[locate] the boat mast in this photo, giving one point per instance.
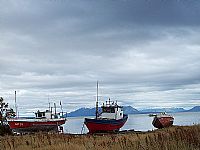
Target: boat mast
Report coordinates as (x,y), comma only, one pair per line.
(49,104)
(55,107)
(97,100)
(16,103)
(61,107)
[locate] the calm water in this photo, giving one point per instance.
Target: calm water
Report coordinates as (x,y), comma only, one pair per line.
(140,122)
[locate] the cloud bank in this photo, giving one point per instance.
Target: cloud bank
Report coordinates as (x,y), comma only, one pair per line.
(144,53)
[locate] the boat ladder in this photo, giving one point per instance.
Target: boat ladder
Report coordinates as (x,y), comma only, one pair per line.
(83,129)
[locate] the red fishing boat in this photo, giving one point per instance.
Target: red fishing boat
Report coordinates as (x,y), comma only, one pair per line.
(162,120)
(43,121)
(111,119)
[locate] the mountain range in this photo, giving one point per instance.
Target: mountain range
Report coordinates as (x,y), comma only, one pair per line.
(130,110)
(157,110)
(194,109)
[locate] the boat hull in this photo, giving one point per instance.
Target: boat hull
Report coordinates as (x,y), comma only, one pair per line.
(162,122)
(104,125)
(35,125)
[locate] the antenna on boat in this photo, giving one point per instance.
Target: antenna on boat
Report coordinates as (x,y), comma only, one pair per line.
(97,100)
(51,112)
(61,107)
(16,103)
(49,104)
(55,107)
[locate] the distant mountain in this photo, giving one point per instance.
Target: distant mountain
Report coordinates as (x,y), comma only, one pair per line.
(158,110)
(194,109)
(130,110)
(83,112)
(91,111)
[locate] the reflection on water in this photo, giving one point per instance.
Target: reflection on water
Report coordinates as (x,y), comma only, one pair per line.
(138,122)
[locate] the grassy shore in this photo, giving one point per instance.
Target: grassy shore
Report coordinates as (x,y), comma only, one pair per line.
(173,138)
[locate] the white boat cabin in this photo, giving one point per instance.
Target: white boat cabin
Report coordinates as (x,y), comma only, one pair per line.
(46,114)
(111,110)
(163,114)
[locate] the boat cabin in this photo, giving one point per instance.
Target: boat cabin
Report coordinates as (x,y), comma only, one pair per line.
(46,114)
(111,110)
(163,114)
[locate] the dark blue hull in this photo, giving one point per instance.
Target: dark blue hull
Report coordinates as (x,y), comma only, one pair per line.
(105,125)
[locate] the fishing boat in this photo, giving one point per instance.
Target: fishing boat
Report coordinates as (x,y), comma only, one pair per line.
(111,119)
(162,120)
(43,121)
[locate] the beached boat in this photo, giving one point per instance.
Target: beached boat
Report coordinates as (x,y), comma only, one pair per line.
(111,119)
(43,121)
(162,120)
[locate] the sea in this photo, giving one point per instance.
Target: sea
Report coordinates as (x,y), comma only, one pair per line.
(137,122)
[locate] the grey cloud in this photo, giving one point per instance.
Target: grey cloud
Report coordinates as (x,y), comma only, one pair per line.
(141,51)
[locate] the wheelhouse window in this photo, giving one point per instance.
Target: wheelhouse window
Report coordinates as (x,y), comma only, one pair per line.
(108,109)
(40,114)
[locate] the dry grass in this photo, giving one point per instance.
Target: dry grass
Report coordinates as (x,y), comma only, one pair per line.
(174,138)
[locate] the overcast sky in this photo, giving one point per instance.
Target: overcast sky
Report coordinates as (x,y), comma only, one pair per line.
(144,53)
